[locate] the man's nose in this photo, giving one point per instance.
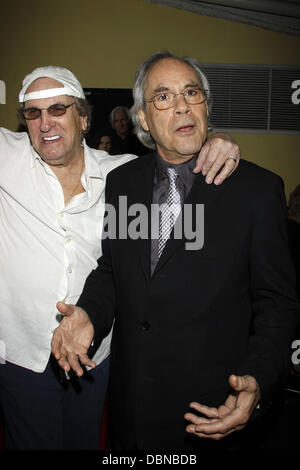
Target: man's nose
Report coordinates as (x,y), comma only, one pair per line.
(45,120)
(181,105)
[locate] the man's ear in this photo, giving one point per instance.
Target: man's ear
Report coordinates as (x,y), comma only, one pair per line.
(84,123)
(143,120)
(207,110)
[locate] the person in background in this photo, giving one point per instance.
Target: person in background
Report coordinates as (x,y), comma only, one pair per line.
(124,139)
(104,140)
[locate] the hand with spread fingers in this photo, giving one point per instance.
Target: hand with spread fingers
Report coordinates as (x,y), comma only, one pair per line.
(220,152)
(72,339)
(230,417)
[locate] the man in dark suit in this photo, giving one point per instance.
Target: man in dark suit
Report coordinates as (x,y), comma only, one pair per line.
(205,323)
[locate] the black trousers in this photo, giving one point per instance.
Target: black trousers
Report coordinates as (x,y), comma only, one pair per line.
(42,413)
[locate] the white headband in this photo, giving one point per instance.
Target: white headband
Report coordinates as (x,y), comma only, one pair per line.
(71,86)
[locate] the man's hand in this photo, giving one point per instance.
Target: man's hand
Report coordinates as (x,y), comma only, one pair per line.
(72,338)
(220,150)
(230,417)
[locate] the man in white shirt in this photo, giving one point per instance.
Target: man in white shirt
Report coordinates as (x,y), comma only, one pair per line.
(52,208)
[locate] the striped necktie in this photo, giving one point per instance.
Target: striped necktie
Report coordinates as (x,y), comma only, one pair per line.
(169,211)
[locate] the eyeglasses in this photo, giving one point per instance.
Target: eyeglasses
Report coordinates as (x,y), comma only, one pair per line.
(55,110)
(166,100)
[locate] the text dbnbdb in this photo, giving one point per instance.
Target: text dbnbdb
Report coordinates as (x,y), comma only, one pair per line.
(171,459)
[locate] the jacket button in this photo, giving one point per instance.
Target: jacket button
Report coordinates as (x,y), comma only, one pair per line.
(146,326)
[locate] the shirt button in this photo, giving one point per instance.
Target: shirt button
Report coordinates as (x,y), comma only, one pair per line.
(62,214)
(68,240)
(146,326)
(70,271)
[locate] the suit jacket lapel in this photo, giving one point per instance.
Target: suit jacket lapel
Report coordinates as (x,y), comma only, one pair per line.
(142,187)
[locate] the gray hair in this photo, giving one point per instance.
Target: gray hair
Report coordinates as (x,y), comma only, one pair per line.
(117,108)
(82,105)
(139,90)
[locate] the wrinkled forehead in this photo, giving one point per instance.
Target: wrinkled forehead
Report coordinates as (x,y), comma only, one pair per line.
(169,71)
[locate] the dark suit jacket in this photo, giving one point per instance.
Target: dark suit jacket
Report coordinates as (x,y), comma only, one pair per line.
(293,229)
(130,144)
(227,308)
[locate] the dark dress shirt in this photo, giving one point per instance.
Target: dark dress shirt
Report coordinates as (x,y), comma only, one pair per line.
(161,186)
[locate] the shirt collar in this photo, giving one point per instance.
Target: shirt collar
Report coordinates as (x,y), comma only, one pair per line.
(34,157)
(184,170)
(92,168)
(91,164)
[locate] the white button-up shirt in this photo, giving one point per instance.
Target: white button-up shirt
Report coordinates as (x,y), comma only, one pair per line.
(47,249)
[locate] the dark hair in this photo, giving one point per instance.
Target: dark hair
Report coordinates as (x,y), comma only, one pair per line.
(101,133)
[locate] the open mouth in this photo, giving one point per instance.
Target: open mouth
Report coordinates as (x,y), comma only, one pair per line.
(51,140)
(187,129)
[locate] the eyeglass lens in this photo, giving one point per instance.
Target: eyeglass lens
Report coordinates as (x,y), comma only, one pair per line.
(166,100)
(55,110)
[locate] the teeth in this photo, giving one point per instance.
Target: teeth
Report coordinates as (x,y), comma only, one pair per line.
(55,137)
